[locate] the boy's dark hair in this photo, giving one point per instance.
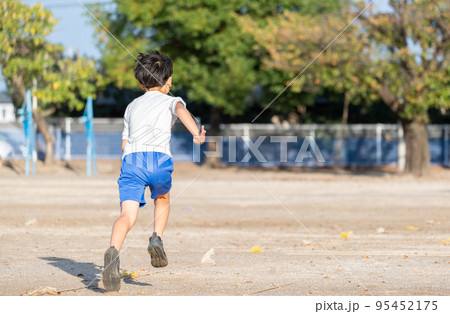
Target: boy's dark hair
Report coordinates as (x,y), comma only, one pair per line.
(153,69)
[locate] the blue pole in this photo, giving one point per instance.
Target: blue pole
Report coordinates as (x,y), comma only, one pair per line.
(31,135)
(26,116)
(88,118)
(27,136)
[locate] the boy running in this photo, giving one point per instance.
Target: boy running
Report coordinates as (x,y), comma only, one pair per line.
(146,159)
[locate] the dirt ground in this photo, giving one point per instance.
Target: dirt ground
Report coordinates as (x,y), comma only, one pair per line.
(55,227)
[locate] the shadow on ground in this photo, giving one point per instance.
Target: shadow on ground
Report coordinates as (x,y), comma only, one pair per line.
(10,165)
(90,272)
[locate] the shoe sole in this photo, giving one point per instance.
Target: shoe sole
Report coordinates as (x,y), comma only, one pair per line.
(111,277)
(157,255)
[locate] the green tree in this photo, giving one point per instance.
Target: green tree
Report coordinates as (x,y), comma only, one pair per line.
(25,56)
(214,59)
(400,57)
(295,50)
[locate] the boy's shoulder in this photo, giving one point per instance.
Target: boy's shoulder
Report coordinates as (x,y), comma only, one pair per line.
(159,98)
(163,97)
(155,95)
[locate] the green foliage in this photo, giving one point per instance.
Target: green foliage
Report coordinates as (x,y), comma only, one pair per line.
(26,55)
(69,82)
(214,59)
(413,42)
(400,57)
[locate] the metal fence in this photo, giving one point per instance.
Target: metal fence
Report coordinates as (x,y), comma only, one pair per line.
(361,145)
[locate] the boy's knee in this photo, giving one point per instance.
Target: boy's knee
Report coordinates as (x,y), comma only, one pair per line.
(130,218)
(132,221)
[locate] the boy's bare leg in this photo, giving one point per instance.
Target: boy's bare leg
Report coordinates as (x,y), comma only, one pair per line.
(123,224)
(155,246)
(127,219)
(162,210)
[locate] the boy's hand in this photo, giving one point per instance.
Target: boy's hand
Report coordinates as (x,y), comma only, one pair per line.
(200,138)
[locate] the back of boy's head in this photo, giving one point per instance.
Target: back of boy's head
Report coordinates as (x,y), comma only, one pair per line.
(153,69)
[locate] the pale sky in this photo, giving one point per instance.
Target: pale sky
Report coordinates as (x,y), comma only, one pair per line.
(75,31)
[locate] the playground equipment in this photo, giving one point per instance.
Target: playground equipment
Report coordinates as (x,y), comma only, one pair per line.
(26,116)
(88,119)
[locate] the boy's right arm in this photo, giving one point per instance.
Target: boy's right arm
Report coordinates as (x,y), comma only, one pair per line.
(189,123)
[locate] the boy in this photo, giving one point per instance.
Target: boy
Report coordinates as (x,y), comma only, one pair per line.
(146,159)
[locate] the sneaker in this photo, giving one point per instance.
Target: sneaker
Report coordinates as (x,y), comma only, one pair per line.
(156,251)
(111,276)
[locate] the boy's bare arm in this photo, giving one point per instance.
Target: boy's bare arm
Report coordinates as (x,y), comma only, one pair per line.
(189,123)
(123,144)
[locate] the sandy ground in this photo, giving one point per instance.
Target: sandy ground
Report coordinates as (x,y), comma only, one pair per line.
(55,227)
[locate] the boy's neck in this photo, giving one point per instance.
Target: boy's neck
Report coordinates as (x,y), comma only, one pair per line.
(155,89)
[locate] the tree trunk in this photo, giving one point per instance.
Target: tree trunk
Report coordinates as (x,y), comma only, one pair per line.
(417,158)
(42,127)
(337,154)
(214,130)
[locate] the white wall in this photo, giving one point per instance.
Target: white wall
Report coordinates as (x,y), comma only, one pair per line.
(7,113)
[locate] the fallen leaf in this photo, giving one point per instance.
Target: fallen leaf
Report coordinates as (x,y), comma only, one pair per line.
(207,257)
(30,222)
(445,242)
(405,256)
(255,249)
(80,275)
(325,277)
(43,291)
(344,235)
(412,228)
(249,281)
(132,275)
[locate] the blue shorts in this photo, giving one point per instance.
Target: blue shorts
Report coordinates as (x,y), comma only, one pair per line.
(142,169)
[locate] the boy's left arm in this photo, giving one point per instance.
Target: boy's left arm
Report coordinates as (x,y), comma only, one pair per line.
(124,142)
(189,123)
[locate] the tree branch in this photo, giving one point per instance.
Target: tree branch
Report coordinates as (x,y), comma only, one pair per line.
(48,112)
